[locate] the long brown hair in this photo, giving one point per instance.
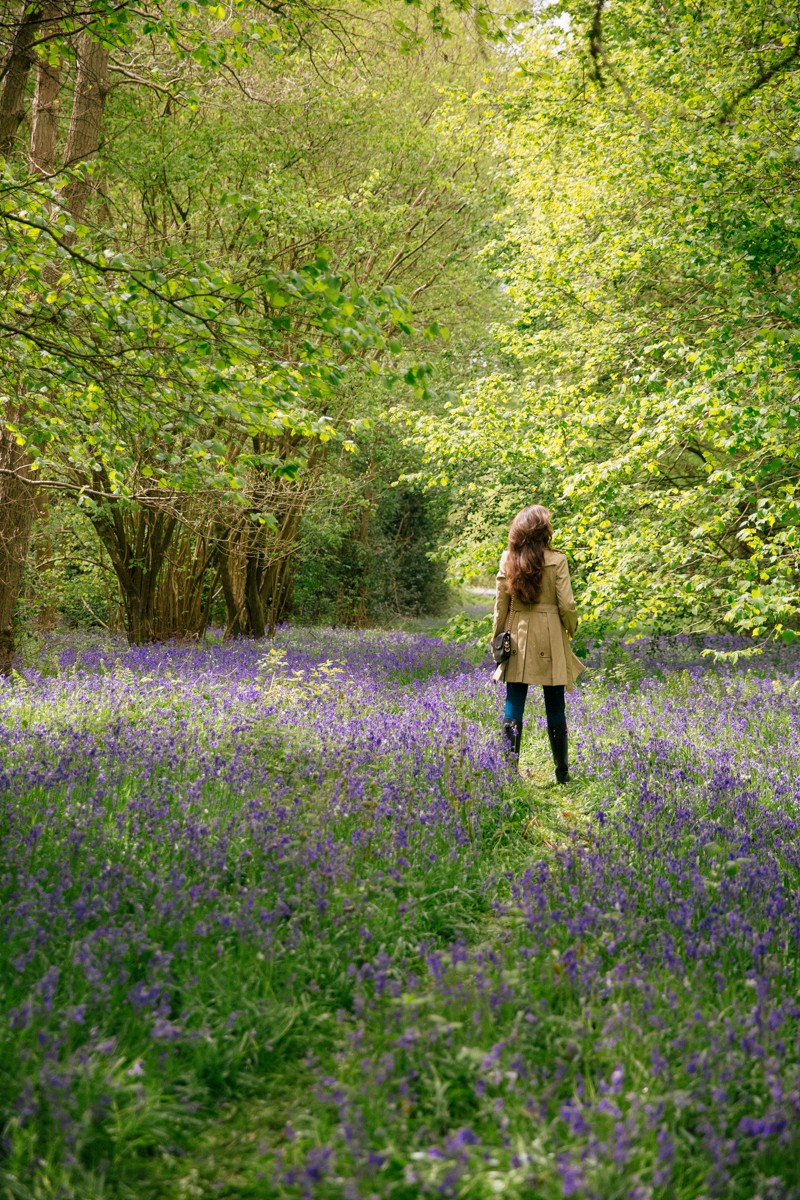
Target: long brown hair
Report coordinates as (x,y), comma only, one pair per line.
(528,538)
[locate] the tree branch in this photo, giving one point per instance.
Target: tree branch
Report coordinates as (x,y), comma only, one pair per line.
(596,42)
(765,75)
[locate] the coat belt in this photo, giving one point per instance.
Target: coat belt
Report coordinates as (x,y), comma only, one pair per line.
(523,608)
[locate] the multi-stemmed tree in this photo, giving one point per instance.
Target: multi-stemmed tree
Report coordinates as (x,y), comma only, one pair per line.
(175,345)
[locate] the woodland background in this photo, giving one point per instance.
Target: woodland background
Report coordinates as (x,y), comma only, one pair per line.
(302,302)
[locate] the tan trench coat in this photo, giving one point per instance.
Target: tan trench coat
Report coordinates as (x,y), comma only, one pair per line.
(541,632)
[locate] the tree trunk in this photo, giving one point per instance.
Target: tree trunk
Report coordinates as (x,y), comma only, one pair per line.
(254,573)
(241,565)
(280,590)
(91,89)
(257,561)
(17,505)
(137,543)
(42,161)
(46,609)
(44,116)
(17,494)
(16,70)
(233,606)
(187,583)
(256,621)
(277,581)
(167,570)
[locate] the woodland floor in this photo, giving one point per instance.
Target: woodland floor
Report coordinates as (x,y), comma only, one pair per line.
(284,922)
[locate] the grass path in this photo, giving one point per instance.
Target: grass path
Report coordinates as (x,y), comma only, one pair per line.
(228,1159)
(545,817)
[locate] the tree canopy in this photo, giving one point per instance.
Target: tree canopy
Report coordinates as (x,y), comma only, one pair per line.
(567,239)
(235,226)
(649,254)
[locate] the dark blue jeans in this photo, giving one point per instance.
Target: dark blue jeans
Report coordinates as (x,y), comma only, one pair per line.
(517,694)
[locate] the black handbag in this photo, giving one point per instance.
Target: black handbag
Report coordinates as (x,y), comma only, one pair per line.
(501,648)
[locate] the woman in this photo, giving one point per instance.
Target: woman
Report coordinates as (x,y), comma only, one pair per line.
(535,604)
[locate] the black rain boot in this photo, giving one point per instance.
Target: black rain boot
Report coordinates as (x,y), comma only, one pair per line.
(559,746)
(512,732)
